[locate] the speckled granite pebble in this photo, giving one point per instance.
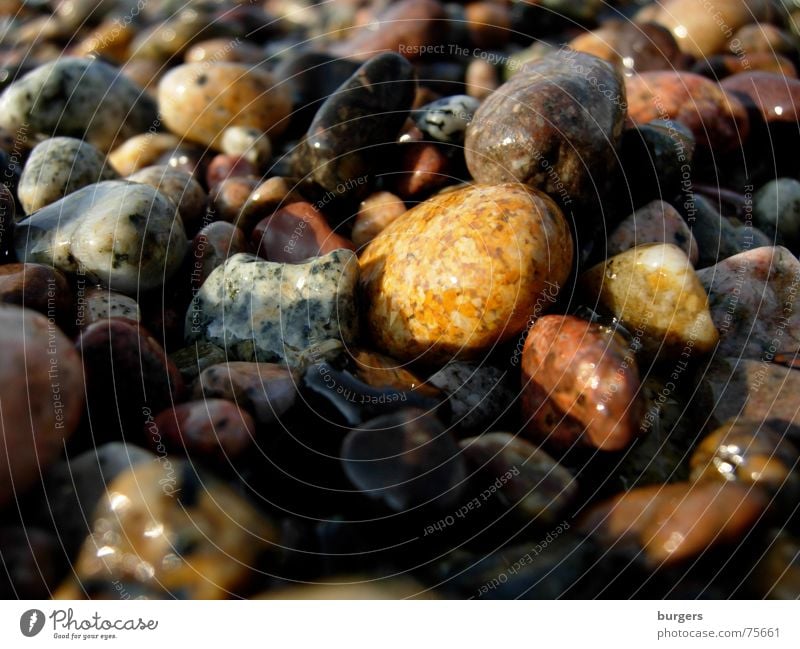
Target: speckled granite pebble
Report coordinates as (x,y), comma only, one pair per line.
(102,303)
(180,187)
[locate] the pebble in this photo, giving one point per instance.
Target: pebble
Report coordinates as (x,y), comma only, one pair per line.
(423,168)
(580,386)
(295,233)
(37,287)
(215,243)
(192,360)
(773,98)
(481,79)
(266,311)
(673,524)
(264,390)
(753,302)
(229,198)
(214,430)
(249,143)
(272,194)
(180,187)
(446,119)
(85,98)
(382,371)
(42,397)
(656,222)
(375,213)
(199,101)
(535,486)
(725,65)
(223,167)
(655,293)
(343,143)
(717,119)
(102,303)
(405,460)
(479,395)
(142,150)
(776,210)
(520,132)
(171,532)
(57,167)
(125,235)
(425,280)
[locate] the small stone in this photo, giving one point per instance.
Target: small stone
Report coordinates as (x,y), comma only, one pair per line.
(580,386)
(260,310)
(656,294)
(535,486)
(481,79)
(223,167)
(656,222)
(753,302)
(423,168)
(192,360)
(180,187)
(249,143)
(381,371)
(425,276)
(37,287)
(229,198)
(77,98)
(215,243)
(446,119)
(199,101)
(215,50)
(141,151)
(42,397)
(375,213)
(103,303)
(272,194)
(125,235)
(57,167)
(264,390)
(170,532)
(776,209)
(405,460)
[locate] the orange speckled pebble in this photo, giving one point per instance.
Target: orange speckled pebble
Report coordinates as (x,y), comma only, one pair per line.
(463,271)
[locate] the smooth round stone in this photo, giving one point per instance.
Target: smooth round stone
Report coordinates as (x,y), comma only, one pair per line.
(478,395)
(295,233)
(675,523)
(750,453)
(381,371)
(166,39)
(81,98)
(57,167)
(656,294)
(102,303)
(171,532)
(702,28)
(216,50)
(776,209)
(774,97)
(446,119)
(580,386)
(265,311)
(141,151)
(42,397)
(38,287)
(212,429)
(343,142)
(127,373)
(424,168)
(376,212)
(229,198)
(405,460)
(199,101)
(536,487)
(272,194)
(248,143)
(631,47)
(180,187)
(224,166)
(717,119)
(193,359)
(519,132)
(109,41)
(264,390)
(481,79)
(656,222)
(212,246)
(463,271)
(186,157)
(125,235)
(753,301)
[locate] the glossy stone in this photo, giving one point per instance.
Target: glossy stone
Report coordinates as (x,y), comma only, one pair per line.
(382,371)
(295,233)
(57,167)
(168,534)
(656,294)
(215,243)
(42,397)
(260,310)
(776,209)
(376,212)
(192,360)
(368,110)
(264,390)
(753,301)
(405,460)
(180,187)
(229,198)
(773,97)
(102,303)
(539,489)
(717,119)
(125,235)
(423,168)
(224,166)
(446,119)
(272,194)
(550,128)
(36,287)
(249,143)
(425,277)
(77,98)
(580,386)
(656,222)
(141,151)
(199,101)
(722,65)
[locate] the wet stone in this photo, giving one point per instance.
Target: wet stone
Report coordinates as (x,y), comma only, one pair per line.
(102,303)
(423,168)
(180,187)
(776,210)
(248,143)
(260,310)
(773,97)
(375,213)
(192,360)
(272,194)
(446,119)
(224,166)
(229,198)
(57,167)
(140,151)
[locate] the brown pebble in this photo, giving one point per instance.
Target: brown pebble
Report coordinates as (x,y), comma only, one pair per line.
(229,196)
(212,246)
(376,212)
(38,287)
